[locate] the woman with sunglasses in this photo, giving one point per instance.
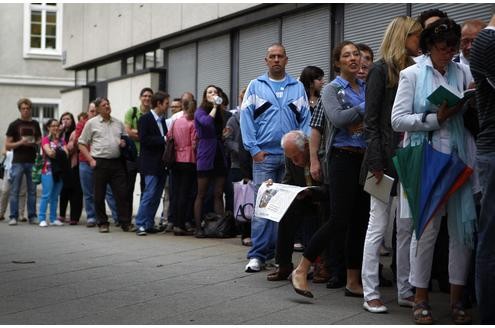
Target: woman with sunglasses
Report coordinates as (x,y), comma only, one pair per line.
(51,180)
(419,119)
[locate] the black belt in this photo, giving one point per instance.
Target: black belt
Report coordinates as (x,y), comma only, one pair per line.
(349,150)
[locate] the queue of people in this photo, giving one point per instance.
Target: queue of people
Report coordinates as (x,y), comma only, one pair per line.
(302,133)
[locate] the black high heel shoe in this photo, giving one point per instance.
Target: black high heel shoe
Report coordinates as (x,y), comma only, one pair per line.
(302,292)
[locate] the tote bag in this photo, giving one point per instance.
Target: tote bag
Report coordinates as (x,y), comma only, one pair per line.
(244,201)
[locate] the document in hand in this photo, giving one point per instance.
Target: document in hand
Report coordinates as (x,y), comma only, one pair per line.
(381,190)
(444,92)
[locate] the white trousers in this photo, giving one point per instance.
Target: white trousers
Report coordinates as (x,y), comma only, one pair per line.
(404,234)
(377,227)
(422,257)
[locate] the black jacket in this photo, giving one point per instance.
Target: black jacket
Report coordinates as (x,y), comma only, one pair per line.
(381,138)
(152,146)
(60,164)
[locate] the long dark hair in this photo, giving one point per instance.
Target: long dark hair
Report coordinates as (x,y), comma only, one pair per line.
(208,106)
(308,75)
(68,130)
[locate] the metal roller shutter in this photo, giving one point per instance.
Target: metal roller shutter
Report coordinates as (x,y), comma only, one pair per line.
(182,70)
(366,23)
(306,37)
(457,11)
(253,43)
(214,64)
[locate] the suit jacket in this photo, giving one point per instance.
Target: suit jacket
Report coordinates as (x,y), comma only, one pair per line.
(152,145)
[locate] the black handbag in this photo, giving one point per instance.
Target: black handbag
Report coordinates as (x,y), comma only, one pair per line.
(2,167)
(168,156)
(219,226)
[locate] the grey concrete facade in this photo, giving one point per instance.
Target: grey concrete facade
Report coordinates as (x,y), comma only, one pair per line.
(35,78)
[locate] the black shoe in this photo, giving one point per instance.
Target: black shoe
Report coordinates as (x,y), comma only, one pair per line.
(126,227)
(335,282)
(199,233)
(153,230)
(350,293)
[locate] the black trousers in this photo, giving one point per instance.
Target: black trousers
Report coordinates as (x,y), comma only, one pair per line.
(114,173)
(72,192)
(291,223)
(345,231)
(184,176)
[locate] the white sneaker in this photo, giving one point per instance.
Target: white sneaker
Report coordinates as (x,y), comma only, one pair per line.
(254,265)
(43,224)
(12,222)
(57,222)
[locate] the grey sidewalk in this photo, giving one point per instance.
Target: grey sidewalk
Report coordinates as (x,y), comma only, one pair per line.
(83,277)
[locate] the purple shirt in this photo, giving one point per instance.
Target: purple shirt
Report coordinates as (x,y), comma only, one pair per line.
(207,140)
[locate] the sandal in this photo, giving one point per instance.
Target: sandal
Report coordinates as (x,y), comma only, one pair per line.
(460,316)
(422,314)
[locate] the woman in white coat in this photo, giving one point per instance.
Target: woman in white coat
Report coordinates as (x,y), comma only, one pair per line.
(419,119)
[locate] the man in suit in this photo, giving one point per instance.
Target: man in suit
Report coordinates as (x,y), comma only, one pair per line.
(152,137)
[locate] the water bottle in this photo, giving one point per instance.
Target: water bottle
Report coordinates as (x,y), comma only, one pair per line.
(218,100)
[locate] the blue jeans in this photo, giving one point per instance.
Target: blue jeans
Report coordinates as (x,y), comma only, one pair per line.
(49,195)
(16,172)
(263,231)
(86,178)
(150,200)
(485,255)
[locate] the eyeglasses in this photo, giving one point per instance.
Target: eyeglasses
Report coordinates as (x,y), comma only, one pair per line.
(54,126)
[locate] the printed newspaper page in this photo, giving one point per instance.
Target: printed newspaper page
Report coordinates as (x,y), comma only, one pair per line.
(273,201)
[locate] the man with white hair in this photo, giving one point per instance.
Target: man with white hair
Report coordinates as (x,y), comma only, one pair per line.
(306,205)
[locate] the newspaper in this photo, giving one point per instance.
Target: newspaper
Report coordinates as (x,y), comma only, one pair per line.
(273,201)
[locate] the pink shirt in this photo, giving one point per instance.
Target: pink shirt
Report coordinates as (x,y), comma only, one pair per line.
(184,134)
(54,144)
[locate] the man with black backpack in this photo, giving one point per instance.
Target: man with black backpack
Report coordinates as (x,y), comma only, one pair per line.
(131,119)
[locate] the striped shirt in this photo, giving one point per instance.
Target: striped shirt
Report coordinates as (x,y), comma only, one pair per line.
(482,63)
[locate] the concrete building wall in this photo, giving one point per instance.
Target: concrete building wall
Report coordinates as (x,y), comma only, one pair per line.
(74,101)
(96,30)
(38,79)
(124,94)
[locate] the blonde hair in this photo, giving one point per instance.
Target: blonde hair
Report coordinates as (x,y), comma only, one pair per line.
(393,48)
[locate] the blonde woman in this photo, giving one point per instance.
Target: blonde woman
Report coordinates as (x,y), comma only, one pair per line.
(400,43)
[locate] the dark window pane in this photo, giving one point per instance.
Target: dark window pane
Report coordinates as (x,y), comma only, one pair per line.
(51,18)
(51,30)
(35,111)
(36,16)
(50,43)
(51,4)
(36,29)
(35,42)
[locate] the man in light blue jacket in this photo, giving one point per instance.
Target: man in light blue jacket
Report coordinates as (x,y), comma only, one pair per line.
(274,104)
